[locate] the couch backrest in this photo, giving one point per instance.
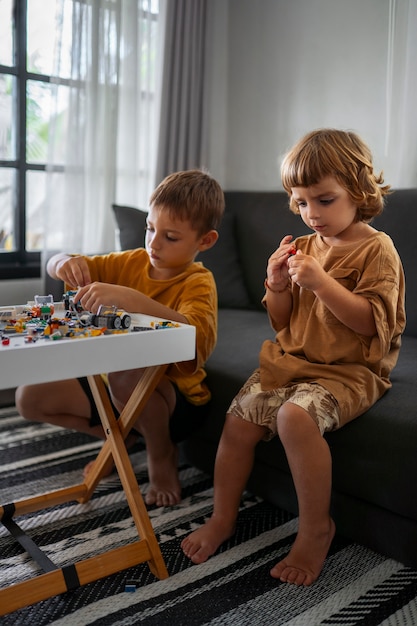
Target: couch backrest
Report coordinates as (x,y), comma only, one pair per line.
(261,219)
(399,221)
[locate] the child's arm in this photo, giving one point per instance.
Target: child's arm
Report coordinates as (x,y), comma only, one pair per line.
(73,270)
(94,295)
(353,310)
(278,297)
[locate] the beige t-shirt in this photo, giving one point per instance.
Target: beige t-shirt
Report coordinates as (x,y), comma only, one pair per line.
(316,347)
(192,293)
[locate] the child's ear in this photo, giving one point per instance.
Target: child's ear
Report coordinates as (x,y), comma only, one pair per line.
(208,240)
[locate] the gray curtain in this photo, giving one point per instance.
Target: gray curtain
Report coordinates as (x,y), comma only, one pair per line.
(185,87)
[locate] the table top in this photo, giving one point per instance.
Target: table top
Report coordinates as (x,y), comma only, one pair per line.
(47,360)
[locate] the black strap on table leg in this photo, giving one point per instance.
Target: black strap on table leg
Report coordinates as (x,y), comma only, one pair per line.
(8,511)
(29,545)
(71,577)
(69,571)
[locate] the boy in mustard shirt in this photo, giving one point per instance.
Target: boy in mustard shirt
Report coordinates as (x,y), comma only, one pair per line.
(162,280)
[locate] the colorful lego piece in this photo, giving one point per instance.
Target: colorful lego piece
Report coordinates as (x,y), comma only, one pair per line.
(165,324)
(130,586)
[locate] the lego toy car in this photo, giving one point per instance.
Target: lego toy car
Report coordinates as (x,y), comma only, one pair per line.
(110,317)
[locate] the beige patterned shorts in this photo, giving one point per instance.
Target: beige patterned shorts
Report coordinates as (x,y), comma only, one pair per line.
(261,407)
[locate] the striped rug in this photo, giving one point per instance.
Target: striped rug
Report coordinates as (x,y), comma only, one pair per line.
(357,586)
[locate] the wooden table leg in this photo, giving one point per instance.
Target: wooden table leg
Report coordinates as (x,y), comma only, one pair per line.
(134,406)
(145,549)
(116,431)
(55,582)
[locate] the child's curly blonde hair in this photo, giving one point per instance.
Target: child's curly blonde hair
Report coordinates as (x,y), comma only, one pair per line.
(338,153)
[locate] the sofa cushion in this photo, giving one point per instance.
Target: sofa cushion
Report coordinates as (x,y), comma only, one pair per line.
(235,357)
(223,261)
(399,221)
(262,220)
(131,224)
(382,440)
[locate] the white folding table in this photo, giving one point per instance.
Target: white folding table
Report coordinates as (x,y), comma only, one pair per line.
(50,360)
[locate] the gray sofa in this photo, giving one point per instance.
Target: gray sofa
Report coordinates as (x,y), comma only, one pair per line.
(375,456)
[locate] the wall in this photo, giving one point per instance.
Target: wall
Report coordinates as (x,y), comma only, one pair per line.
(297,65)
(19,291)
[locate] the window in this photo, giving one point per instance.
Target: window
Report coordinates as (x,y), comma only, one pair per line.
(27,33)
(36,83)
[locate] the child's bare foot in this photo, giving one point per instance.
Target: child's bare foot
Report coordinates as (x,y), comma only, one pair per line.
(164,484)
(304,563)
(205,541)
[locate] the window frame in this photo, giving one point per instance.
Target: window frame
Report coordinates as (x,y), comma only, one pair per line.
(20,263)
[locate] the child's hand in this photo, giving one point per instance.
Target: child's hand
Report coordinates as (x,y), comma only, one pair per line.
(73,270)
(277,269)
(306,271)
(94,295)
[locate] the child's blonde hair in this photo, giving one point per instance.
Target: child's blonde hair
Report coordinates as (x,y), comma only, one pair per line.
(338,153)
(191,195)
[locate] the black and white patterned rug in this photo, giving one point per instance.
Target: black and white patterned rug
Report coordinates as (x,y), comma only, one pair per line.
(357,587)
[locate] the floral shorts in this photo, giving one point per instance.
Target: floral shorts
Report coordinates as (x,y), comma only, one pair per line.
(261,407)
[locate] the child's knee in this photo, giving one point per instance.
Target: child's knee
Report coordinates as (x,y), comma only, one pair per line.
(236,428)
(293,419)
(122,385)
(24,403)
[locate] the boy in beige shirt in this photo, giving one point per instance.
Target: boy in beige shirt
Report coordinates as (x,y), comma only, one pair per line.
(337,306)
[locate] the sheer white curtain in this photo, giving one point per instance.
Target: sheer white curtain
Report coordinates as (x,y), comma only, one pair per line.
(109,124)
(401,94)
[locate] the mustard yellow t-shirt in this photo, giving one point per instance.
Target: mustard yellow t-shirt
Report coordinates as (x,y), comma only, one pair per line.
(317,347)
(192,293)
